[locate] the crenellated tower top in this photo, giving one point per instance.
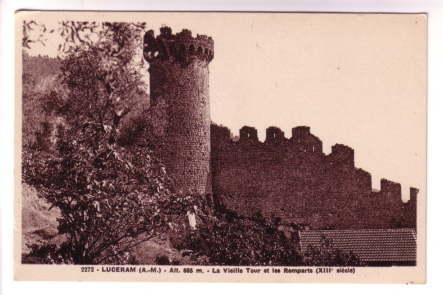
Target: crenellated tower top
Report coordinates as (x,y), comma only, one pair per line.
(180,47)
(179,93)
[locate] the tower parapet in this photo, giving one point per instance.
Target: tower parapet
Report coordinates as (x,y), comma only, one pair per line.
(181,47)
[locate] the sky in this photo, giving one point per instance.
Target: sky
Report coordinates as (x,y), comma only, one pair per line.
(355,79)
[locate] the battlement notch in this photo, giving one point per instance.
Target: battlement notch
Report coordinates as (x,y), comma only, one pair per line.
(364,180)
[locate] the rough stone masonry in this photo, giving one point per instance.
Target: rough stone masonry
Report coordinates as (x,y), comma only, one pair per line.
(287,178)
(179,81)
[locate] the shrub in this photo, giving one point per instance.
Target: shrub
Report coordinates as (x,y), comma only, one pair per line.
(327,255)
(234,240)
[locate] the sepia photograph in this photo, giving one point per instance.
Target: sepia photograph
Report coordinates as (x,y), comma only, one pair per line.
(220,146)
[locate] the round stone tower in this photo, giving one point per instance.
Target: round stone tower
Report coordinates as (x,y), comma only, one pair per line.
(179,93)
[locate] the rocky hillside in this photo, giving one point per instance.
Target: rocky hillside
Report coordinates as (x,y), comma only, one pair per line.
(39,221)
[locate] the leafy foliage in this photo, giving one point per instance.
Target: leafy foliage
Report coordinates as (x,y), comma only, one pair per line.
(112,192)
(34,32)
(39,83)
(110,197)
(230,239)
(327,255)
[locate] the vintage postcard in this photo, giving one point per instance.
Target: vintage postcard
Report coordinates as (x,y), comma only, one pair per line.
(221,146)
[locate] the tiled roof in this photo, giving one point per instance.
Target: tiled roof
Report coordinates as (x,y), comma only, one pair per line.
(370,245)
